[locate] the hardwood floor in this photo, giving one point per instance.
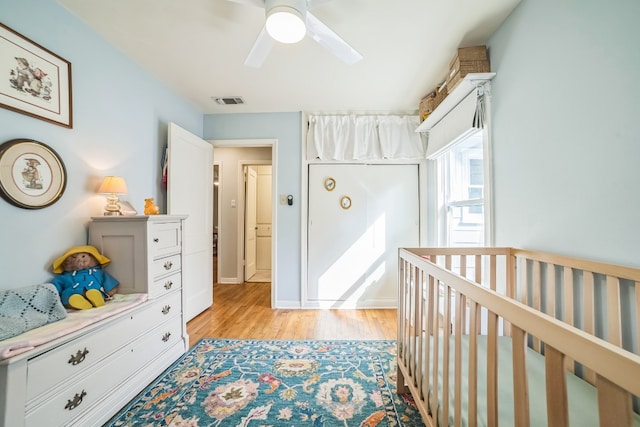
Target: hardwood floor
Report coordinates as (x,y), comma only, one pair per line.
(243,311)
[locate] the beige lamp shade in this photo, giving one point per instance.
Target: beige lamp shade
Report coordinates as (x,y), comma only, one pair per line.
(112,185)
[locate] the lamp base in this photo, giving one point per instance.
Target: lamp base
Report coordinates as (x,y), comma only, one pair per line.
(112,213)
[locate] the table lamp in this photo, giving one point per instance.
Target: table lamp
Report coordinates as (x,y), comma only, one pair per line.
(112,185)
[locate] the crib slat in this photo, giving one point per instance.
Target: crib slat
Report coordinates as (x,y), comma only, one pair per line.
(557,405)
(492,369)
(589,320)
(520,387)
(614,328)
(614,404)
(463,265)
(474,320)
(402,277)
(445,353)
(478,266)
(522,282)
(536,297)
(433,319)
(568,310)
(420,329)
(551,290)
(588,303)
(463,271)
(492,272)
(568,295)
(457,393)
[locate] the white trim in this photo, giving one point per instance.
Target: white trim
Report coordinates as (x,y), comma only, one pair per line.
(489,236)
(304,211)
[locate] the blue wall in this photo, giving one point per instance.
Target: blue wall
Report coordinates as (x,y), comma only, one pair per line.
(287,129)
(565,108)
(566,103)
(120,116)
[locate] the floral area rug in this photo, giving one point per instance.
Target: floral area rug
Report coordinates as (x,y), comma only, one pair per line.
(222,382)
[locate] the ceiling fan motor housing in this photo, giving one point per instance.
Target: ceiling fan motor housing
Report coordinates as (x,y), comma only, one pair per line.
(286,20)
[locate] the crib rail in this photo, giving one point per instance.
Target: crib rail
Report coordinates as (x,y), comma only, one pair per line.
(574,312)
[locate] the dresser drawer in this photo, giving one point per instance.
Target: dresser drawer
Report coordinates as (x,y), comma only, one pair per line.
(78,356)
(165,285)
(88,389)
(169,265)
(164,239)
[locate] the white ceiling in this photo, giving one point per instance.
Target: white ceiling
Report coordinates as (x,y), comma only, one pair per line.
(198,48)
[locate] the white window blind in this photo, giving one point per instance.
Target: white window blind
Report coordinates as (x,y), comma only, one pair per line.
(461,122)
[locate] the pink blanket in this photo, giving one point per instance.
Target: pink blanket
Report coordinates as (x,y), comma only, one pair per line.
(75,320)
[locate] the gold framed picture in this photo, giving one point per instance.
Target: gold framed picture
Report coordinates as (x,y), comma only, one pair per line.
(329,184)
(32,175)
(345,202)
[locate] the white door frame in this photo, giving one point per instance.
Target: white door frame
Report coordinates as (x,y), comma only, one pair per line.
(253,143)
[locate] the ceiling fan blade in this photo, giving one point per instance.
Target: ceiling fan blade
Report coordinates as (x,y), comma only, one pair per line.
(260,50)
(331,41)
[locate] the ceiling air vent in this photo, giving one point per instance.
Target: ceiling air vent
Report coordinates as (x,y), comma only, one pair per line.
(230,100)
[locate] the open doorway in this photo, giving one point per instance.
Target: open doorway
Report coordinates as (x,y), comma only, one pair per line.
(233,156)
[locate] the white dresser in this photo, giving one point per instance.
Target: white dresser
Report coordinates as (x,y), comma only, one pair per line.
(85,377)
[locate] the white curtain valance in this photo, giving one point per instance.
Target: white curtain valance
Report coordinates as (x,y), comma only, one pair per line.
(462,121)
(375,137)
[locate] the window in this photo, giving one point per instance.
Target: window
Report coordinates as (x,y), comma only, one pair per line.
(461,213)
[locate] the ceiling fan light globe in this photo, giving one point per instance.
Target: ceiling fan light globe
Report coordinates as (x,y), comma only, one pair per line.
(285,24)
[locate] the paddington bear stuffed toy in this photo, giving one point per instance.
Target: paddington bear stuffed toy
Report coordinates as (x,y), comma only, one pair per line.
(80,279)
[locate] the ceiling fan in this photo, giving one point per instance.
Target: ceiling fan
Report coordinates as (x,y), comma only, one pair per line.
(288,21)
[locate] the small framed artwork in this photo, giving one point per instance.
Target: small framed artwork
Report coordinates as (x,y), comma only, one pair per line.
(345,202)
(329,184)
(32,175)
(33,80)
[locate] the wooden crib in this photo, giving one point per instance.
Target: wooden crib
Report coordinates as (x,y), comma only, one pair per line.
(503,336)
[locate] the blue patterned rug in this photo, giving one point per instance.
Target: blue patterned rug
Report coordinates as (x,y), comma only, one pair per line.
(222,382)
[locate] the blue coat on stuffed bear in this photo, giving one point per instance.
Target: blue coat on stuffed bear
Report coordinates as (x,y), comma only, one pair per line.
(81,280)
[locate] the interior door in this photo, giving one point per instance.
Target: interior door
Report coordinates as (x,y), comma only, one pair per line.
(190,192)
(263,219)
(356,225)
(250,222)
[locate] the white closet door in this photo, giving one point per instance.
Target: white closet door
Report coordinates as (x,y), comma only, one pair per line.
(352,253)
(190,192)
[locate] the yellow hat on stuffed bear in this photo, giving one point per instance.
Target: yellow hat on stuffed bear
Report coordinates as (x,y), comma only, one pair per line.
(57,264)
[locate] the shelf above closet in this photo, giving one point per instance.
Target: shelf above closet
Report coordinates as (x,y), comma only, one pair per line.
(470,82)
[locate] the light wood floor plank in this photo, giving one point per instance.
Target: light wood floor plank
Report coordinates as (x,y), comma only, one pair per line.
(243,311)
